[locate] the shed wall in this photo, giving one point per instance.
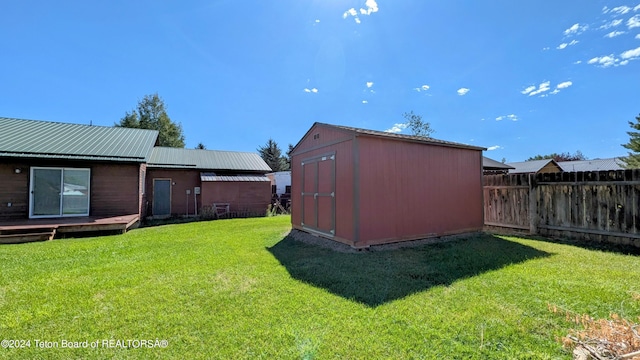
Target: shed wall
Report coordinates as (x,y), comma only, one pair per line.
(411,190)
(328,141)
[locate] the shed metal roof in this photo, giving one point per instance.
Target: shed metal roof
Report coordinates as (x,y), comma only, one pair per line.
(394,136)
(53,140)
(532,166)
(592,165)
(490,164)
(232,178)
(165,157)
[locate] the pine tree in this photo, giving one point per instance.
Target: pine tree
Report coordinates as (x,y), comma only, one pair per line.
(272,155)
(633,160)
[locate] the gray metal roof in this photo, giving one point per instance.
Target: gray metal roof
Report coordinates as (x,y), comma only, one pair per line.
(592,165)
(165,157)
(532,166)
(490,164)
(43,139)
(394,136)
(231,178)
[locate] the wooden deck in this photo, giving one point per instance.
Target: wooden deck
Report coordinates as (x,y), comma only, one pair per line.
(28,230)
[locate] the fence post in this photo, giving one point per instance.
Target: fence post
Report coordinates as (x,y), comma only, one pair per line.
(533,206)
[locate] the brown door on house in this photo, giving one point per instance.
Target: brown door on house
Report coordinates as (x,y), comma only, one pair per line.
(161,197)
(318,194)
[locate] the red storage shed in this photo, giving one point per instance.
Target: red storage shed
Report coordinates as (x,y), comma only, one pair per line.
(366,187)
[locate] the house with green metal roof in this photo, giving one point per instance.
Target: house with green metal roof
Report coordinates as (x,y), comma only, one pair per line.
(52,170)
(182,180)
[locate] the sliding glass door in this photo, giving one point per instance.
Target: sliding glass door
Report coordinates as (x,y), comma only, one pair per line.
(59,192)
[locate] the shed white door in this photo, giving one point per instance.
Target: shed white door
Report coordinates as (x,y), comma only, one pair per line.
(318,194)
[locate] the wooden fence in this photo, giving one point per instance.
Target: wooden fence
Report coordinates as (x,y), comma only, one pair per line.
(595,206)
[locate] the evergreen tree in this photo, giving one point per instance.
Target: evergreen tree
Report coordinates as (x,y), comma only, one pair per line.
(633,160)
(272,155)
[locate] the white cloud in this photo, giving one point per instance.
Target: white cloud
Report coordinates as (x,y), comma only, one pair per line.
(564,85)
(494,147)
(604,61)
(313,90)
(541,88)
(365,102)
(422,88)
(545,48)
(614,34)
(611,24)
(463,91)
(351,12)
(631,54)
(372,7)
(369,84)
(578,62)
(396,128)
(528,89)
(633,22)
(553,92)
(564,45)
(576,29)
(317,21)
(638,36)
(620,10)
(511,117)
(636,8)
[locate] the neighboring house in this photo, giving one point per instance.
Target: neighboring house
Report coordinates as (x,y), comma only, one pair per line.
(535,167)
(50,170)
(57,170)
(593,165)
(492,167)
(183,180)
(280,182)
(365,187)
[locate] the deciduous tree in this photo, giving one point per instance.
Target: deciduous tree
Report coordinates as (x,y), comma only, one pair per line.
(417,126)
(151,114)
(566,156)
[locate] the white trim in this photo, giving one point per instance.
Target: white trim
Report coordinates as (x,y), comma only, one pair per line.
(61,210)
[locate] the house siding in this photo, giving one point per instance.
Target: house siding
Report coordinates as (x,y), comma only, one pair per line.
(114,189)
(14,190)
(252,197)
(181,181)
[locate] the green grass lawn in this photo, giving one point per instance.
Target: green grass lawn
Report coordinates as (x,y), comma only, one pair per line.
(240,289)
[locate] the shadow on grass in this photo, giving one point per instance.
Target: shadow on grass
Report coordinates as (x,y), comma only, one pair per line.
(377,277)
(585,244)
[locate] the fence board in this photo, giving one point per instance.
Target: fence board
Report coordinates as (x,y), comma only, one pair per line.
(602,206)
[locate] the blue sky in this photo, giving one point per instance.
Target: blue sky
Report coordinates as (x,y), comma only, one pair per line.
(520,78)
